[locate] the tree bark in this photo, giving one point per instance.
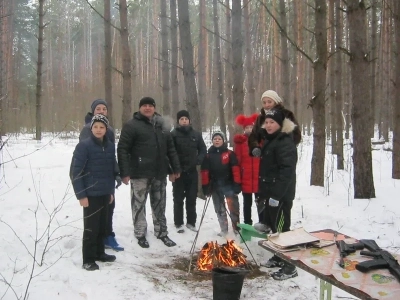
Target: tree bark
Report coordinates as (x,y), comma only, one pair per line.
(107,60)
(359,64)
(174,58)
(374,30)
(339,88)
(396,116)
(228,72)
(220,80)
(165,59)
(189,74)
(285,74)
(249,55)
(318,101)
(39,72)
(237,62)
(126,63)
(201,75)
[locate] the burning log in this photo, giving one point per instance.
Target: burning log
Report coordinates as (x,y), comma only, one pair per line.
(214,255)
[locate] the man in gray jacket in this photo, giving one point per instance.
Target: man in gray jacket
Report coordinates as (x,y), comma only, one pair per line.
(145,151)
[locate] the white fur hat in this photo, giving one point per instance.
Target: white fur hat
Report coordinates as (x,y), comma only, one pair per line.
(273,95)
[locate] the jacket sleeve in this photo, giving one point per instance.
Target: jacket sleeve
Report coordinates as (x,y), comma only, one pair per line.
(205,171)
(201,149)
(172,155)
(77,169)
(238,152)
(286,156)
(234,167)
(85,132)
(255,136)
(124,149)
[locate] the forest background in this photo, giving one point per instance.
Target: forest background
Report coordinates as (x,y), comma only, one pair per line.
(335,63)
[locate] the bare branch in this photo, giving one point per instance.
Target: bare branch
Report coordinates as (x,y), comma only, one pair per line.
(285,34)
(101,16)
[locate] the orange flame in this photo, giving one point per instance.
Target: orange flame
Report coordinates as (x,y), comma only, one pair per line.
(213,255)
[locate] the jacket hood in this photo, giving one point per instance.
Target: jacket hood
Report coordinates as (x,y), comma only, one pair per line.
(214,149)
(240,139)
(287,127)
(88,118)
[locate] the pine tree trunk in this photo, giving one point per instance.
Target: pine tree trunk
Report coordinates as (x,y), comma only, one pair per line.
(237,62)
(396,115)
(39,73)
(165,60)
(249,66)
(126,63)
(318,101)
(339,89)
(362,156)
(285,74)
(201,75)
(220,80)
(228,72)
(332,79)
(374,30)
(107,60)
(189,74)
(174,58)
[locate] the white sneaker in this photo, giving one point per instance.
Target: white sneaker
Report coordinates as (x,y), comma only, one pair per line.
(191,227)
(262,227)
(179,229)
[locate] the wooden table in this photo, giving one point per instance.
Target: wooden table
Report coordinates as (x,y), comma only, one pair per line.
(326,281)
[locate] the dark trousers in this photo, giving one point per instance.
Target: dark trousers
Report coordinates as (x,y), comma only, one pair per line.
(110,214)
(247,204)
(94,227)
(185,187)
(278,218)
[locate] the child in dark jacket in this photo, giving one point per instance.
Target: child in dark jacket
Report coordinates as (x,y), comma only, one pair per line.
(248,167)
(99,107)
(93,179)
(278,181)
(191,151)
(221,178)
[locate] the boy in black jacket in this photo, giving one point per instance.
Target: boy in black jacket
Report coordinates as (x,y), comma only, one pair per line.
(221,178)
(191,151)
(277,181)
(93,179)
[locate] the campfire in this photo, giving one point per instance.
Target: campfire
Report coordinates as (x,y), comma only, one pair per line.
(213,255)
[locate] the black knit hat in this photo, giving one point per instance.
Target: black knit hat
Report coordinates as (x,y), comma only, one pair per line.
(221,134)
(99,118)
(147,100)
(97,102)
(276,115)
(182,113)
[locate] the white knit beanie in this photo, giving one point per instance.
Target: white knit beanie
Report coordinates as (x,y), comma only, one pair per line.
(273,95)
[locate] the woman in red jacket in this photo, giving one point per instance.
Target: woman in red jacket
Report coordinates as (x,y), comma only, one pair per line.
(248,166)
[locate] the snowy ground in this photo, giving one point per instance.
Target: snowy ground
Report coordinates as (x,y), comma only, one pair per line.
(35,192)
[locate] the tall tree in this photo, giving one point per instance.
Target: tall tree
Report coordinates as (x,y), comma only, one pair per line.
(174,58)
(39,72)
(360,114)
(107,59)
(126,63)
(228,70)
(249,55)
(396,116)
(218,61)
(318,100)
(285,74)
(338,87)
(165,59)
(189,74)
(237,58)
(201,60)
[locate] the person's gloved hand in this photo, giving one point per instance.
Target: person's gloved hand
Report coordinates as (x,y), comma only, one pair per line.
(272,202)
(237,188)
(118,180)
(206,190)
(256,152)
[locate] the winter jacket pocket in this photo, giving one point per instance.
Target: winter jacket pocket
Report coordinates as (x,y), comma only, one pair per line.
(265,186)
